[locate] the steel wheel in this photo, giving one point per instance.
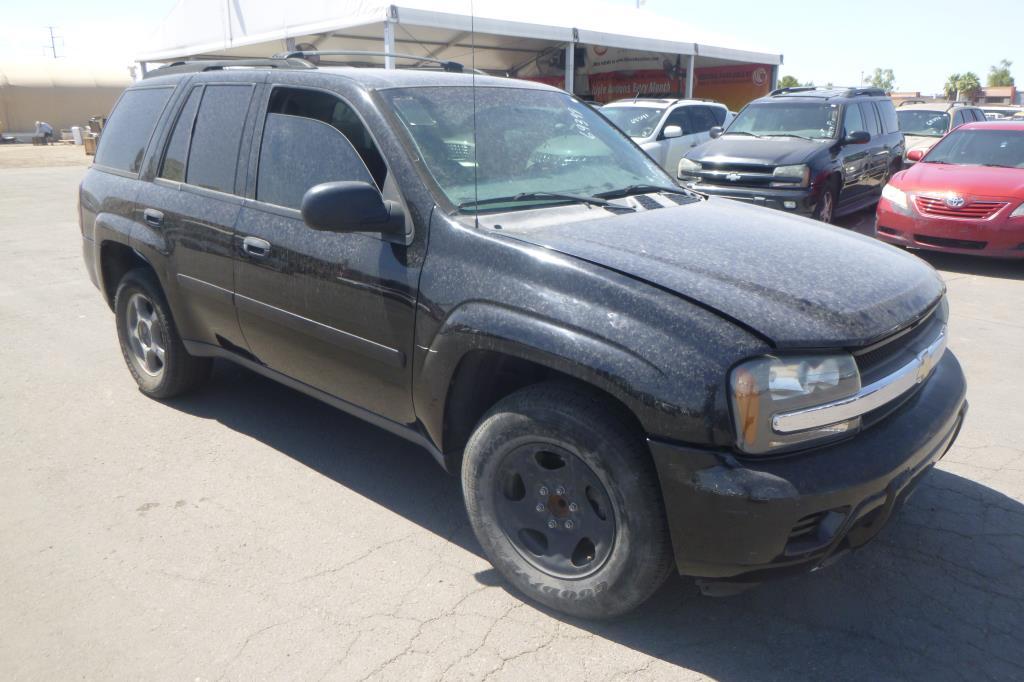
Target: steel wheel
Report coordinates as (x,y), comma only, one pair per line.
(146,335)
(554,510)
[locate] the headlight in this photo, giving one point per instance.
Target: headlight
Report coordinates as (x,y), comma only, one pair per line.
(792,176)
(766,386)
(1018,212)
(687,168)
(895,196)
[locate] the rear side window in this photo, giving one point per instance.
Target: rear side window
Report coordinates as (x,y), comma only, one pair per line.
(719,113)
(887,111)
(124,139)
(871,124)
(703,119)
(213,158)
(959,119)
(173,167)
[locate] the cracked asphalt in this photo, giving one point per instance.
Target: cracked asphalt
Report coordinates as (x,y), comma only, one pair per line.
(250,532)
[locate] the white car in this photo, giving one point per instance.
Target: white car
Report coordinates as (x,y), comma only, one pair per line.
(667,128)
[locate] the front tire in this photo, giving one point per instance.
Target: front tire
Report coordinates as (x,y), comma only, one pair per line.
(149,339)
(825,210)
(563,496)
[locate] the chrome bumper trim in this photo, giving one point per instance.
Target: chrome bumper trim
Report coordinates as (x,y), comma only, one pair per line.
(870,397)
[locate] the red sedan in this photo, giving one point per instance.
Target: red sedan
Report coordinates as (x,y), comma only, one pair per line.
(966,195)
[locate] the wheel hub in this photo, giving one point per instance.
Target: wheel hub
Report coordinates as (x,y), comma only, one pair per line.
(146,337)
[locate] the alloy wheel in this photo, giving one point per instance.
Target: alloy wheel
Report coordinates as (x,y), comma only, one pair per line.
(146,335)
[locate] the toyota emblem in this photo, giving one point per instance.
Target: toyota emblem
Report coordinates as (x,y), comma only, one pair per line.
(955,201)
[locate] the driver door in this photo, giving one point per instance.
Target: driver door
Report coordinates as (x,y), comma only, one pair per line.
(676,147)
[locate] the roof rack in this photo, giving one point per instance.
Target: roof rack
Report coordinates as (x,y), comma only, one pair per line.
(315,55)
(200,65)
(826,91)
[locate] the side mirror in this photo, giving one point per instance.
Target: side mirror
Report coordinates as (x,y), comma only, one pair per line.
(672,131)
(351,206)
(716,132)
(858,137)
(915,155)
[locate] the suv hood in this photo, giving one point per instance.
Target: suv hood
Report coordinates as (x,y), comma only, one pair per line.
(797,282)
(772,151)
(922,142)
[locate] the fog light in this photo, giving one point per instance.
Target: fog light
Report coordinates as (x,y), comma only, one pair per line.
(789,204)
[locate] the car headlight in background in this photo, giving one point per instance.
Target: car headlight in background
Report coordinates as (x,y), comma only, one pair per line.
(792,176)
(766,386)
(1018,212)
(687,168)
(895,196)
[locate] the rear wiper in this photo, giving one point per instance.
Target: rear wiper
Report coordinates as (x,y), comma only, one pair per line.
(644,189)
(531,196)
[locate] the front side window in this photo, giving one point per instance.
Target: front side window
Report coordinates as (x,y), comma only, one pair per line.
(681,117)
(524,141)
(854,121)
(634,121)
(923,123)
(980,147)
(126,135)
(812,120)
(213,159)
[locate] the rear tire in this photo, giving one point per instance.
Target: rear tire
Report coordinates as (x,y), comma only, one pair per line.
(149,339)
(563,496)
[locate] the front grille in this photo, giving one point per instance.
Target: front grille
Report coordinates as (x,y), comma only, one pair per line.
(807,525)
(950,243)
(975,210)
(736,174)
(883,358)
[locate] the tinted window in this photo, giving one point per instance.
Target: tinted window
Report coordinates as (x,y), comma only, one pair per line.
(680,117)
(297,153)
(854,121)
(218,131)
(719,113)
(979,115)
(888,114)
(867,110)
(703,119)
(173,167)
(124,139)
(958,119)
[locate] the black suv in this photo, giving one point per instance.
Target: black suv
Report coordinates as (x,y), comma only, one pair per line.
(819,152)
(628,377)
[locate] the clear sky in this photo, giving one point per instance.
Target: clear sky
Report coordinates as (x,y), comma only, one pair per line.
(823,42)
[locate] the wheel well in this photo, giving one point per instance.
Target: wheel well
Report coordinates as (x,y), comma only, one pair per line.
(482,378)
(116,260)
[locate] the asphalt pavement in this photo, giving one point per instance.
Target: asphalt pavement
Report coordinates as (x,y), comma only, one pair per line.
(249,532)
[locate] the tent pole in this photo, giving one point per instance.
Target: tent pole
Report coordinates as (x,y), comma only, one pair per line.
(690,77)
(389,43)
(570,67)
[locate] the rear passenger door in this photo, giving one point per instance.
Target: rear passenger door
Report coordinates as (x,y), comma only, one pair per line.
(334,311)
(855,158)
(877,164)
(193,203)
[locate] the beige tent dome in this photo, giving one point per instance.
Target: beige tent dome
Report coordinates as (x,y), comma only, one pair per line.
(61,92)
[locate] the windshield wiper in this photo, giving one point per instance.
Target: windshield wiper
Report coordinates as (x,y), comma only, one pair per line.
(644,189)
(532,196)
(802,137)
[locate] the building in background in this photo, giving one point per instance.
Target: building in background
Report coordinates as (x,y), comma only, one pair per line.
(61,92)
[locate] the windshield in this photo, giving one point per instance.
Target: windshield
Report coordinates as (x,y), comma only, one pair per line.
(813,120)
(634,121)
(1003,148)
(923,123)
(527,142)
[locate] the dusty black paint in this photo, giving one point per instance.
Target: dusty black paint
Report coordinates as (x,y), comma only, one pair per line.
(652,307)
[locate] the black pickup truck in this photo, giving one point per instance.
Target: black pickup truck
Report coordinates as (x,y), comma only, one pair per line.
(628,376)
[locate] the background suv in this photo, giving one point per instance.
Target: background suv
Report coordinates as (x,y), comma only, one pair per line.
(820,152)
(667,128)
(924,123)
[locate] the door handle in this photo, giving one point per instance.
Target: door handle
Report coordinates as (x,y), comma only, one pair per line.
(254,246)
(153,217)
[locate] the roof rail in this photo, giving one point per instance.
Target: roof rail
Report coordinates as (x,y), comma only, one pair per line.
(446,65)
(913,101)
(796,88)
(200,65)
(865,92)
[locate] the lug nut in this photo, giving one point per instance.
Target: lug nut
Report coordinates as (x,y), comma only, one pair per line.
(559,490)
(569,524)
(552,524)
(543,490)
(540,506)
(573,507)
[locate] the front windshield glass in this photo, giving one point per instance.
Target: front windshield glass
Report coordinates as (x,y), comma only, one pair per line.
(527,141)
(1004,148)
(813,120)
(634,121)
(923,123)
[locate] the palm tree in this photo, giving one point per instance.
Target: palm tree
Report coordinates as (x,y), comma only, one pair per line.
(952,86)
(962,86)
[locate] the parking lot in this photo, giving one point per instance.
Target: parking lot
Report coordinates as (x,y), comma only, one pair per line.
(248,531)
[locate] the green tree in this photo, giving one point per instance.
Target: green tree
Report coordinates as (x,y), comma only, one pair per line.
(788,81)
(952,86)
(963,86)
(881,78)
(1000,74)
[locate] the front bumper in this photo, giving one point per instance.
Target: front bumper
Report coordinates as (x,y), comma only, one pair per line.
(996,237)
(800,201)
(750,519)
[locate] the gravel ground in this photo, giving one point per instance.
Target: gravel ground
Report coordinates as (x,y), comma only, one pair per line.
(251,532)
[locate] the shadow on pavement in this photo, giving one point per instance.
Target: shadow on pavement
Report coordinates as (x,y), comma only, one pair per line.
(938,595)
(974,265)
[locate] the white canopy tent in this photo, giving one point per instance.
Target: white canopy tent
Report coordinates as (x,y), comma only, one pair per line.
(524,38)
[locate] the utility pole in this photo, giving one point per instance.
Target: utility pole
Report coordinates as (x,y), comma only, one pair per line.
(53,42)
